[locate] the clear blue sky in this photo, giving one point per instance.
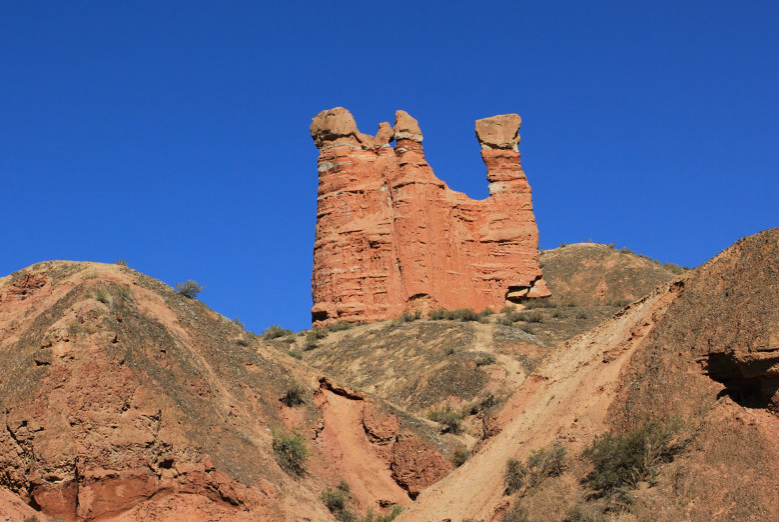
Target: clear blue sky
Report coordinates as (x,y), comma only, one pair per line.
(175,134)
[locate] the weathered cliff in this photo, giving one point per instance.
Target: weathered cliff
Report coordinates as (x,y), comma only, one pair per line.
(392,237)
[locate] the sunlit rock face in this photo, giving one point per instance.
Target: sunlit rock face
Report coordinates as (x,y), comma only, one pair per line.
(391,237)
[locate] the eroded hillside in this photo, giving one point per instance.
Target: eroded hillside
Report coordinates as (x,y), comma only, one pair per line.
(124,400)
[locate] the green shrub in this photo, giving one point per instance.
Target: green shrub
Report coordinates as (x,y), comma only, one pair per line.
(465,314)
(625,250)
(623,460)
(508,309)
(447,416)
(540,465)
(505,320)
(121,262)
(532,304)
(295,354)
(335,501)
(514,476)
(559,314)
(582,315)
(389,517)
(290,451)
(275,331)
(294,395)
(189,289)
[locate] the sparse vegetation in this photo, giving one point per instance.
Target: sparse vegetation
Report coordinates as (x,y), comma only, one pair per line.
(121,262)
(531,317)
(515,513)
(461,314)
(459,457)
(582,315)
(389,517)
(449,417)
(559,314)
(290,451)
(294,395)
(341,325)
(540,465)
(335,501)
(189,289)
(409,316)
(275,331)
(623,460)
(295,353)
(102,295)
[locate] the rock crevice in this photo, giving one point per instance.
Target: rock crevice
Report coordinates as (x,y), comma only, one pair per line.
(391,237)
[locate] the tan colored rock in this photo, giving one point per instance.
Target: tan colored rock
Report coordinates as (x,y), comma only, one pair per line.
(392,237)
(499,132)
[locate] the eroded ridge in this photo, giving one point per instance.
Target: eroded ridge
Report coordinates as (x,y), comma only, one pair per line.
(392,237)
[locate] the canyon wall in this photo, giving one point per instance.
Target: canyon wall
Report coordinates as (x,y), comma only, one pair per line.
(391,237)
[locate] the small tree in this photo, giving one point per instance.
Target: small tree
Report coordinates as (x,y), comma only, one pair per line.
(290,451)
(189,289)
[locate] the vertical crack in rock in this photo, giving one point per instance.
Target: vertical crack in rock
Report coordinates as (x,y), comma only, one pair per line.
(388,230)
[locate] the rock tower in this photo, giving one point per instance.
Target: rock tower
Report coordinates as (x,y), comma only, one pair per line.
(392,237)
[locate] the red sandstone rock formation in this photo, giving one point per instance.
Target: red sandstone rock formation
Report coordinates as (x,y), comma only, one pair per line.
(392,237)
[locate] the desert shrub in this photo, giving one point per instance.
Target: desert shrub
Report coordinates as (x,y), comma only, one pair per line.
(532,304)
(295,354)
(673,268)
(532,317)
(508,309)
(569,303)
(559,314)
(317,333)
(121,262)
(485,360)
(91,274)
(540,465)
(343,486)
(465,314)
(389,517)
(545,463)
(505,320)
(437,314)
(447,416)
(409,316)
(339,326)
(625,250)
(290,451)
(334,500)
(582,315)
(514,476)
(621,303)
(623,460)
(189,289)
(459,457)
(237,322)
(294,395)
(275,331)
(563,245)
(527,329)
(102,295)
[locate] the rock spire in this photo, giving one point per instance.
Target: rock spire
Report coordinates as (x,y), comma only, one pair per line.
(391,237)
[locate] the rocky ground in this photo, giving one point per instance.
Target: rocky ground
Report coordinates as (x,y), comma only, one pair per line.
(123,400)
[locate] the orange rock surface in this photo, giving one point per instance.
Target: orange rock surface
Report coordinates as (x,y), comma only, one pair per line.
(392,237)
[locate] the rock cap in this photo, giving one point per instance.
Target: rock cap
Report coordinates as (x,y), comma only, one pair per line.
(499,132)
(406,127)
(332,124)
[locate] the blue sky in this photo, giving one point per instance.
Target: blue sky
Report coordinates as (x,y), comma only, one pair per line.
(174,135)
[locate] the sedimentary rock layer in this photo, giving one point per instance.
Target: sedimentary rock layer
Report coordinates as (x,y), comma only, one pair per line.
(392,237)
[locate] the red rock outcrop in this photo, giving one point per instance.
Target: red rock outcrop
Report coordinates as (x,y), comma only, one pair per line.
(392,237)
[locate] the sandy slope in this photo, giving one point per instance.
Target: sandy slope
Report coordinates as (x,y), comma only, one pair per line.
(566,399)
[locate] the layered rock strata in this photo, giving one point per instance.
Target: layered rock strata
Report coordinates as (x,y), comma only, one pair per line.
(391,237)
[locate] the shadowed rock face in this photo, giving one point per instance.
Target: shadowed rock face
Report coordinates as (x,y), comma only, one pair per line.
(392,237)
